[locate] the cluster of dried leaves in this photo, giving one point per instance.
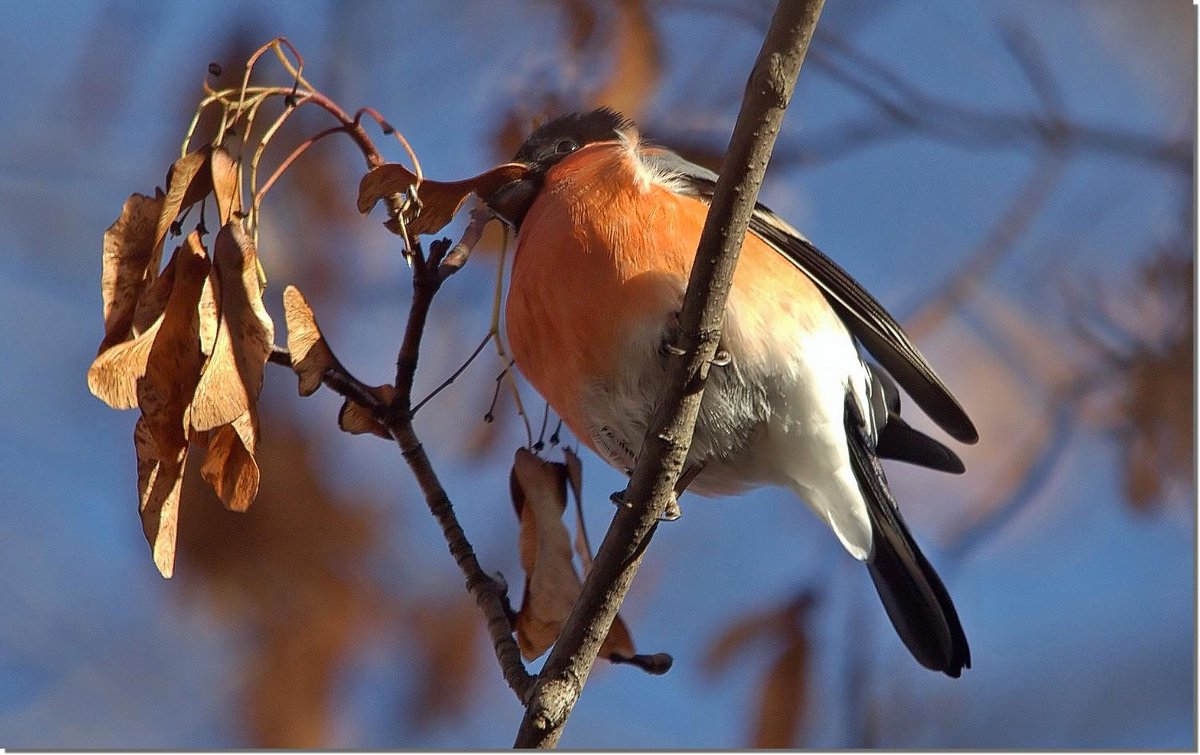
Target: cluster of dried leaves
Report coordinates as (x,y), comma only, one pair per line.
(185,344)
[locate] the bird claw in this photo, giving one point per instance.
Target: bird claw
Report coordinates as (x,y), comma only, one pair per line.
(670,514)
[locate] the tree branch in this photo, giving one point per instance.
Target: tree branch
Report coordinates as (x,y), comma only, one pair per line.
(664,449)
(397,419)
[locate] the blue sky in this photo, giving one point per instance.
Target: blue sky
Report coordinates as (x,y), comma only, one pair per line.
(1080,611)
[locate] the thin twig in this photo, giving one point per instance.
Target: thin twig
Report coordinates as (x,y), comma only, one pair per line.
(665,447)
(447,382)
(426,283)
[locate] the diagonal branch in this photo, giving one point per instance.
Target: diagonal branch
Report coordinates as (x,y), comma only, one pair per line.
(397,418)
(666,444)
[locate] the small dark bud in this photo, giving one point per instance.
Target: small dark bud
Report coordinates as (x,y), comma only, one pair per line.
(214,69)
(176,229)
(538,446)
(387,128)
(656,664)
(489,417)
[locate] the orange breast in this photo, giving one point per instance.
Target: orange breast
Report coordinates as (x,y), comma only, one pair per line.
(602,253)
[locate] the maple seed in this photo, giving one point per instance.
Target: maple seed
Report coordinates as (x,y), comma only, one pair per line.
(214,69)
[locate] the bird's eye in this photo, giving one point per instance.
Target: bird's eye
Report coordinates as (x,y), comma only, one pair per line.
(565,146)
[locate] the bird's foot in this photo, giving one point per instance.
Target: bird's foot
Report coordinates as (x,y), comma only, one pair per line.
(670,337)
(670,514)
(670,340)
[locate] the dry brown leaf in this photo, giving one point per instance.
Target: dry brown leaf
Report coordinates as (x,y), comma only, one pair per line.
(311,356)
(114,374)
(153,301)
(440,200)
(741,634)
(637,60)
(210,315)
(782,698)
(135,296)
(233,373)
(737,637)
(159,484)
(443,634)
(539,492)
(358,420)
(188,182)
(173,364)
(128,248)
(226,188)
(551,584)
(575,479)
(229,467)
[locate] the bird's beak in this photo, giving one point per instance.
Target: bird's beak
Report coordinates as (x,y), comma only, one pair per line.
(512,200)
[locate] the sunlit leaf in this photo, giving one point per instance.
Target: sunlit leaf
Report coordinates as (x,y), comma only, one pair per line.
(439,200)
(229,466)
(114,374)
(311,356)
(173,364)
(188,181)
(125,267)
(539,492)
(356,419)
(159,479)
(233,372)
(226,189)
(153,301)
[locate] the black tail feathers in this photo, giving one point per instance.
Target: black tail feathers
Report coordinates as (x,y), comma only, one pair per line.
(912,593)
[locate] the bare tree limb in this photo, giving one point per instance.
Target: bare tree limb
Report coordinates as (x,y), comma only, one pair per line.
(665,447)
(397,418)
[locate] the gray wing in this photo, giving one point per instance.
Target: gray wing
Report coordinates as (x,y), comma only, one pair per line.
(866,318)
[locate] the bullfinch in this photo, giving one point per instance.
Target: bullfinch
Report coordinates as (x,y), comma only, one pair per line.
(607,229)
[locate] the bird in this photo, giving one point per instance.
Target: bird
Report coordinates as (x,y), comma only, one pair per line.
(607,225)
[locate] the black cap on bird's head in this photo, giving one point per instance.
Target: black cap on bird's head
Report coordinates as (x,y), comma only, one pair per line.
(545,147)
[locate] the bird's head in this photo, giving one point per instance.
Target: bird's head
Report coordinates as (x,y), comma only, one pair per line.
(545,148)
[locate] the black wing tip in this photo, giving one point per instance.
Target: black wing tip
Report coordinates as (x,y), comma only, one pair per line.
(956,657)
(901,442)
(919,607)
(912,593)
(964,431)
(955,668)
(951,417)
